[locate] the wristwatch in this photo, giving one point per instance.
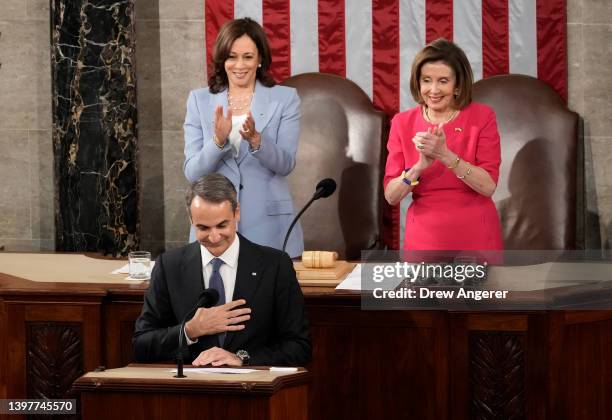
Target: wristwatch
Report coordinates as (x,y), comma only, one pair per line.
(244,356)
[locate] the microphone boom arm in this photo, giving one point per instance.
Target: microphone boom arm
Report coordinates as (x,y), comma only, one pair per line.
(295,219)
(208,298)
(325,188)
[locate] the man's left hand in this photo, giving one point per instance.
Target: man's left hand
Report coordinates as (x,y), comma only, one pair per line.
(217,357)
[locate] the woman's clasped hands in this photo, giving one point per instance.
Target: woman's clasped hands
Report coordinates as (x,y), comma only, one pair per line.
(431,145)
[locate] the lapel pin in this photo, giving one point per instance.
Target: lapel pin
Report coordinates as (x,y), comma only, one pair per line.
(253,274)
(458,129)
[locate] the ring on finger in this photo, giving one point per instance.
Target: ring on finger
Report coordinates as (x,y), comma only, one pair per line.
(247,130)
(420,146)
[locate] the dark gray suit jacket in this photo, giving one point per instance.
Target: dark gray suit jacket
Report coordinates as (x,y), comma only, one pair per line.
(276,334)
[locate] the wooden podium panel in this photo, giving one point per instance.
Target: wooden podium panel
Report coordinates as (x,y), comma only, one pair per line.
(150,391)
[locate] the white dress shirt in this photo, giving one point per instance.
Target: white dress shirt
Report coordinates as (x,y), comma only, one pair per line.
(227,270)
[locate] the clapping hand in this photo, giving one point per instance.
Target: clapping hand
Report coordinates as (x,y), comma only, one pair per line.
(249,133)
(431,143)
(223,125)
(424,162)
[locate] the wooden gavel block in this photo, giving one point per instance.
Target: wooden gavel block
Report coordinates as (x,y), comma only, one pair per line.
(319,259)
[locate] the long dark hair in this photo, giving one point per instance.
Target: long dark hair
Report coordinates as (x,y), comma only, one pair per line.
(228,33)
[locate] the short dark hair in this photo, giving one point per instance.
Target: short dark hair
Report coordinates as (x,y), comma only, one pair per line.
(449,53)
(229,32)
(213,188)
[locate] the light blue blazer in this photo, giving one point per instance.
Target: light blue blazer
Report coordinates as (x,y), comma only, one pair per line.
(259,176)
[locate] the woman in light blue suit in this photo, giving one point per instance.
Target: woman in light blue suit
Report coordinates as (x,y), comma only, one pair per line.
(247,128)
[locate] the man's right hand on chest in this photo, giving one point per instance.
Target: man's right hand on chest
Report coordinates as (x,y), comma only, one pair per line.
(223,318)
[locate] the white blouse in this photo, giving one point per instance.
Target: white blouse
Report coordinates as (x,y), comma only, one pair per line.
(234,137)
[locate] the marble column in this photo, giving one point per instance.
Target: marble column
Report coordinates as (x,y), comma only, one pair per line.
(94,125)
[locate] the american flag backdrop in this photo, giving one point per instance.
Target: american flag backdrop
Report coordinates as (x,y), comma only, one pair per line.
(373,42)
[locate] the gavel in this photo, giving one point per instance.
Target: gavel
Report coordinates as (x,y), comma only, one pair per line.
(319,259)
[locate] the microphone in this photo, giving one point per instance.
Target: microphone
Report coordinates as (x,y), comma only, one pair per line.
(208,298)
(324,189)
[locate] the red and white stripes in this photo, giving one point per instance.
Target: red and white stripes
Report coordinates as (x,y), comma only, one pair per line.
(373,42)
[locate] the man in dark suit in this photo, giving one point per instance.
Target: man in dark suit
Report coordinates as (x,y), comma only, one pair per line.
(263,321)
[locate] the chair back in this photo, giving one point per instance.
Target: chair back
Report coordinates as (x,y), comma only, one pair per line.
(540,175)
(342,137)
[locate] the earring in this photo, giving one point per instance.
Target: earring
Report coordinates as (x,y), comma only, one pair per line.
(259,65)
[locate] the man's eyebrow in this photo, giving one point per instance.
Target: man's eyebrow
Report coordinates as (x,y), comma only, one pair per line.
(218,224)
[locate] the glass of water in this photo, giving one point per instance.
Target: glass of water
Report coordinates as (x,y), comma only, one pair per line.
(140,265)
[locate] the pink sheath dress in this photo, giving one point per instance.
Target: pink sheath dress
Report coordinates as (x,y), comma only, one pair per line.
(446,214)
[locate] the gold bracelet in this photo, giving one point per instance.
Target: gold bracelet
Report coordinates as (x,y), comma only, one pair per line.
(216,141)
(455,163)
(469,171)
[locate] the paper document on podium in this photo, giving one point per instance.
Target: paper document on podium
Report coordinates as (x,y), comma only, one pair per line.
(353,282)
(231,371)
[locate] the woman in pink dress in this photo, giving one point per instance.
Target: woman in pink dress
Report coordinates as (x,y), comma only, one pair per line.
(446,153)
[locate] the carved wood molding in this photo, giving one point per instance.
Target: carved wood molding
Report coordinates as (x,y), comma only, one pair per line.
(54,358)
(497,375)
